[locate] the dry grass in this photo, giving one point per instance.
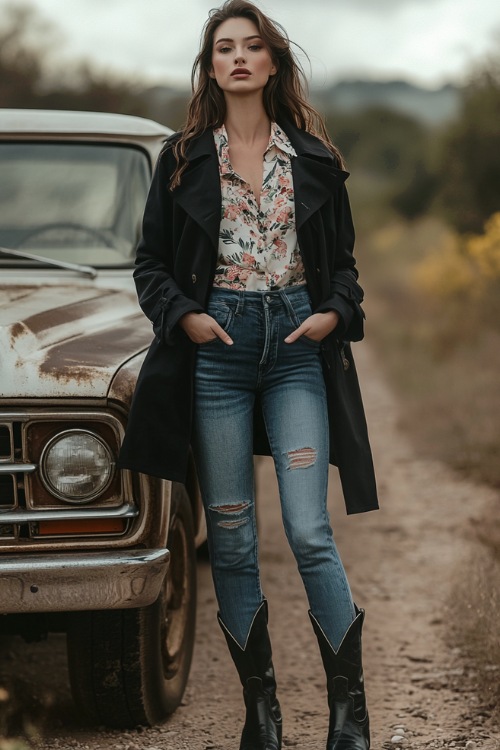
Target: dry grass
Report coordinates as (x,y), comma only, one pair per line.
(474,615)
(452,403)
(443,358)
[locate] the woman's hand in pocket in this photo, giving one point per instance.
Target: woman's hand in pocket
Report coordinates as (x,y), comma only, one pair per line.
(315,327)
(202,328)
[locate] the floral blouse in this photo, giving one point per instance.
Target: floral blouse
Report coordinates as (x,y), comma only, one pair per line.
(258,247)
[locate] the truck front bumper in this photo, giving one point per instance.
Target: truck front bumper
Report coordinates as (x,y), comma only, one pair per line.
(81,581)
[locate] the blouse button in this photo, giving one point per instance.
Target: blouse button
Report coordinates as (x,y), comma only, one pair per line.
(193,278)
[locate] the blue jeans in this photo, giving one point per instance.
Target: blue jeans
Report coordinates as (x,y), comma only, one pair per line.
(289,380)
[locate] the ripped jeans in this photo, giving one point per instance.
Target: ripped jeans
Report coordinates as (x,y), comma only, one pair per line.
(289,381)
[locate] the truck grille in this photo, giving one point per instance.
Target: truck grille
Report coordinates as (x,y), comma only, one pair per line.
(7,491)
(5,443)
(24,515)
(12,495)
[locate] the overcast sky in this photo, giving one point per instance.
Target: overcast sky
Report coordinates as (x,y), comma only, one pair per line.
(426,41)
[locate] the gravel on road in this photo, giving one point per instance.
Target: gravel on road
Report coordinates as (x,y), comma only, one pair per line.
(401,561)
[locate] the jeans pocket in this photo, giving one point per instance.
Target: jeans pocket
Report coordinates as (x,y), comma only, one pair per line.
(223,314)
(298,310)
(311,342)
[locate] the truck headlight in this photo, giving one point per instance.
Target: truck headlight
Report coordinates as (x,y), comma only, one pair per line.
(76,466)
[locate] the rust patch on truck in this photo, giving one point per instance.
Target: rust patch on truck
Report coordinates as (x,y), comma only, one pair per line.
(18,292)
(85,358)
(17,330)
(67,373)
(123,385)
(69,313)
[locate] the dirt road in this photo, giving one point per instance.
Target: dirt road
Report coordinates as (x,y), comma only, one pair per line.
(401,562)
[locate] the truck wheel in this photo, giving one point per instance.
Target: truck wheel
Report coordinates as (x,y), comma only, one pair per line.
(130,667)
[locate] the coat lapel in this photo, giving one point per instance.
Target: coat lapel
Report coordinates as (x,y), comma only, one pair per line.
(315,177)
(313,184)
(199,192)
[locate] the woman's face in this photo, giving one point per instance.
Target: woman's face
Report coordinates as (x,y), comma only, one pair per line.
(241,62)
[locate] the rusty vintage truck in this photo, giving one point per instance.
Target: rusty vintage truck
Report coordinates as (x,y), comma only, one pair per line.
(106,556)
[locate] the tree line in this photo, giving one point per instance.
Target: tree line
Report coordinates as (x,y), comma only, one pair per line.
(452,170)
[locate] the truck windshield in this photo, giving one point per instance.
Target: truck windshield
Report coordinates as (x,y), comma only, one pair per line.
(80,203)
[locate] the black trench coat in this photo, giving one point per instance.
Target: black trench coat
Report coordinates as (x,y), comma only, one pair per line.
(175,267)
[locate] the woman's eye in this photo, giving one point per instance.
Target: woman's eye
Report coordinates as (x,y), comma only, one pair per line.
(255,47)
(224,49)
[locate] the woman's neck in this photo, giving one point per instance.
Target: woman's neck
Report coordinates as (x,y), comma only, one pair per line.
(246,121)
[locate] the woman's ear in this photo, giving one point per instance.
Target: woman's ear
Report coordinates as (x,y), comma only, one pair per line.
(211,73)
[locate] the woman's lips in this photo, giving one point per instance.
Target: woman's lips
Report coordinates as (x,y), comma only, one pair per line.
(240,72)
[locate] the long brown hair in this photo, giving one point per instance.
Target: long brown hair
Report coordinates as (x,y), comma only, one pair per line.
(284,94)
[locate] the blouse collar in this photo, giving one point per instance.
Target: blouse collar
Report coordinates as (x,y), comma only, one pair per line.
(277,138)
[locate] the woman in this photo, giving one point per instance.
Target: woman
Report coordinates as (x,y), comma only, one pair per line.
(245,269)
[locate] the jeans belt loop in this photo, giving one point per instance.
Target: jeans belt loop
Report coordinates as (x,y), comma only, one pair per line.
(240,305)
(286,301)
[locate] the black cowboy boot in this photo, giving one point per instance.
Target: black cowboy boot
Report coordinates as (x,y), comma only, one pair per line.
(349,726)
(263,724)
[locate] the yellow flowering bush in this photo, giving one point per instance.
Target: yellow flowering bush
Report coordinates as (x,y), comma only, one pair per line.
(445,273)
(485,249)
(462,266)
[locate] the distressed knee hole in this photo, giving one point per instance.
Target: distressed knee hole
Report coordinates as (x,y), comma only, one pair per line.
(232,524)
(236,509)
(301,458)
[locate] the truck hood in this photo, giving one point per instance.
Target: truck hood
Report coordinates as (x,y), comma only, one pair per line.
(67,341)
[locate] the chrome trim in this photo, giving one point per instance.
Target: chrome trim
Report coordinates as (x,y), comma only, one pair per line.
(124,511)
(147,527)
(81,581)
(17,468)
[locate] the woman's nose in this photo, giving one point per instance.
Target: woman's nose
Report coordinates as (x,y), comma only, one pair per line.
(239,57)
